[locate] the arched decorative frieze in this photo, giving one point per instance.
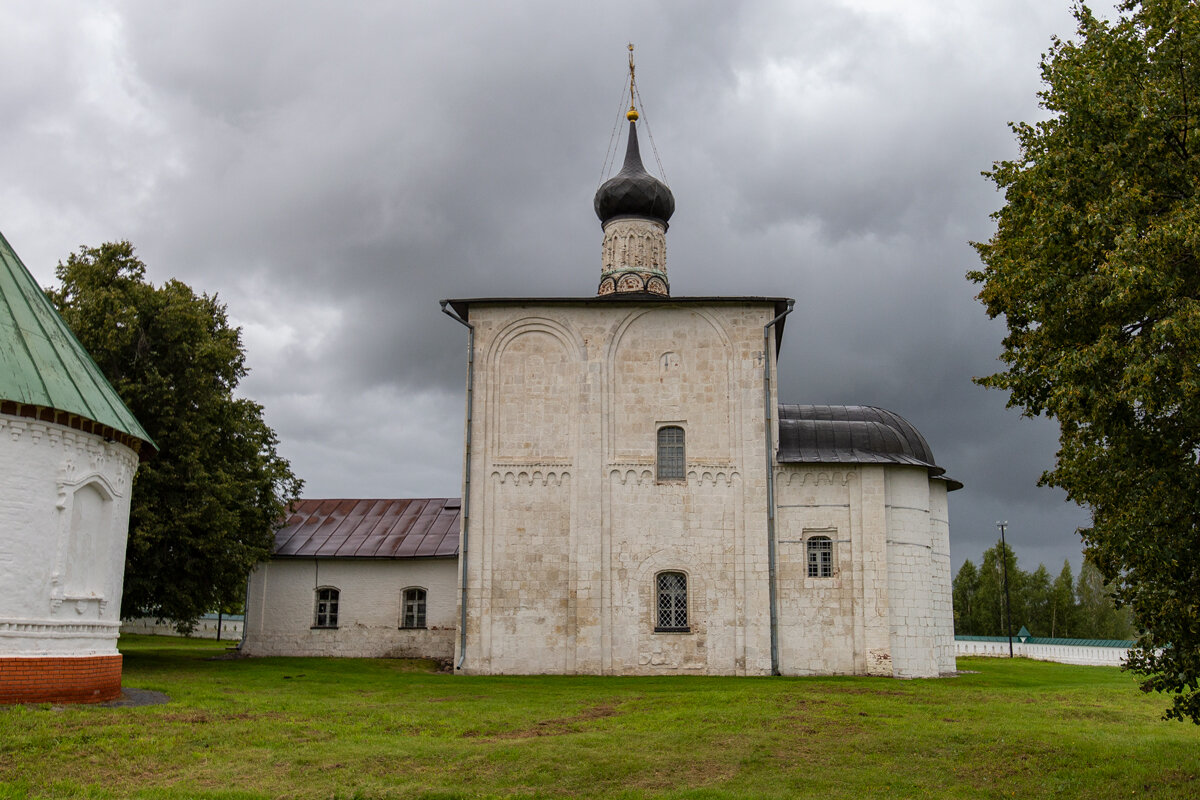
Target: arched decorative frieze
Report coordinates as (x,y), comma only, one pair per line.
(631,476)
(800,477)
(698,475)
(530,477)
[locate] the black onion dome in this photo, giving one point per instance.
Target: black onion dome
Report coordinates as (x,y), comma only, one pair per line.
(633,191)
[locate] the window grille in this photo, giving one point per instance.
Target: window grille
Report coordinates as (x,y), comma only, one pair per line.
(327,608)
(671,465)
(672,602)
(820,557)
(414,608)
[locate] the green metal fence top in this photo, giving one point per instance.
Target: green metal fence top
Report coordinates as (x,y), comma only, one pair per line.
(45,372)
(1122,643)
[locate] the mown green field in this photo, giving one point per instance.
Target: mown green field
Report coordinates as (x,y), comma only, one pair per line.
(342,728)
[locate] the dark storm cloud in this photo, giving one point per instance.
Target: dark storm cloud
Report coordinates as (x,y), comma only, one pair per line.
(333,171)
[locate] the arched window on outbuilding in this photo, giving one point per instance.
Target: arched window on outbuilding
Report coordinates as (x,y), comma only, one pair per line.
(326,615)
(413,608)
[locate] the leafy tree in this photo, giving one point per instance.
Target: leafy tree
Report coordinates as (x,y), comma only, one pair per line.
(1095,266)
(206,507)
(990,618)
(1062,603)
(1037,601)
(1098,617)
(965,589)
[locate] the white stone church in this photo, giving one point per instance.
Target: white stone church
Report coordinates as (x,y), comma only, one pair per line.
(637,501)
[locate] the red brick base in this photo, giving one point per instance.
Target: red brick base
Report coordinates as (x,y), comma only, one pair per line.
(88,679)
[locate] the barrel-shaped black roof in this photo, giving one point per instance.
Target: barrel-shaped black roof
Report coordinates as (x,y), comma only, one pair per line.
(813,434)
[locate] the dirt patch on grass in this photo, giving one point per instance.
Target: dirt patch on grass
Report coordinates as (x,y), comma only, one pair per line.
(191,717)
(692,774)
(133,698)
(554,727)
(861,690)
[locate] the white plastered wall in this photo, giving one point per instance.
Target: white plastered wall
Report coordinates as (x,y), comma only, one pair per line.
(281,602)
(64,522)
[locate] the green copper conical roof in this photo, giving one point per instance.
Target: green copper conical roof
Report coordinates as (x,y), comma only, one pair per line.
(44,370)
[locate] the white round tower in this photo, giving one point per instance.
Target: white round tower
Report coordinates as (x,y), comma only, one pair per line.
(69,449)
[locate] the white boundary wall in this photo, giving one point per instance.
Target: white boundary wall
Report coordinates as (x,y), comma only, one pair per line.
(1085,655)
(206,627)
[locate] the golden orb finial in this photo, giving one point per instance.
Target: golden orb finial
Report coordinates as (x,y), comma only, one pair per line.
(632,113)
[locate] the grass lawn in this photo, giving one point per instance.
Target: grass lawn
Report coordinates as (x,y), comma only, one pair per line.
(348,728)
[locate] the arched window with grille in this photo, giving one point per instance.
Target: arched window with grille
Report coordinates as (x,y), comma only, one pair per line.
(413,608)
(326,615)
(671,464)
(671,601)
(820,557)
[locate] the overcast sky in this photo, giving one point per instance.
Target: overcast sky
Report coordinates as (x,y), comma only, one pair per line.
(332,170)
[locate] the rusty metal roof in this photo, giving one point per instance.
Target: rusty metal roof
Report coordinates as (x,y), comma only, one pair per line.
(412,528)
(853,434)
(43,367)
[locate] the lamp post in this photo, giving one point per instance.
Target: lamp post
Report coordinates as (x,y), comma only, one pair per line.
(1007,600)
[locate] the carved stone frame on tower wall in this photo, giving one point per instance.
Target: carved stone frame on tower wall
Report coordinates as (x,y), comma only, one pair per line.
(87,535)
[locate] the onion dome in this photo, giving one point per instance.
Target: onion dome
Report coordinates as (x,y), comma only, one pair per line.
(633,191)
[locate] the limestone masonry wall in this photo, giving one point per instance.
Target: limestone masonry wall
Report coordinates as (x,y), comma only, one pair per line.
(570,525)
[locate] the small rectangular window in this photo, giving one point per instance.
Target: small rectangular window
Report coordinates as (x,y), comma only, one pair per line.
(820,557)
(671,463)
(414,608)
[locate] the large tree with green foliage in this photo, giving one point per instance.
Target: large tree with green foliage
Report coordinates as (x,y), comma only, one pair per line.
(206,507)
(1095,266)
